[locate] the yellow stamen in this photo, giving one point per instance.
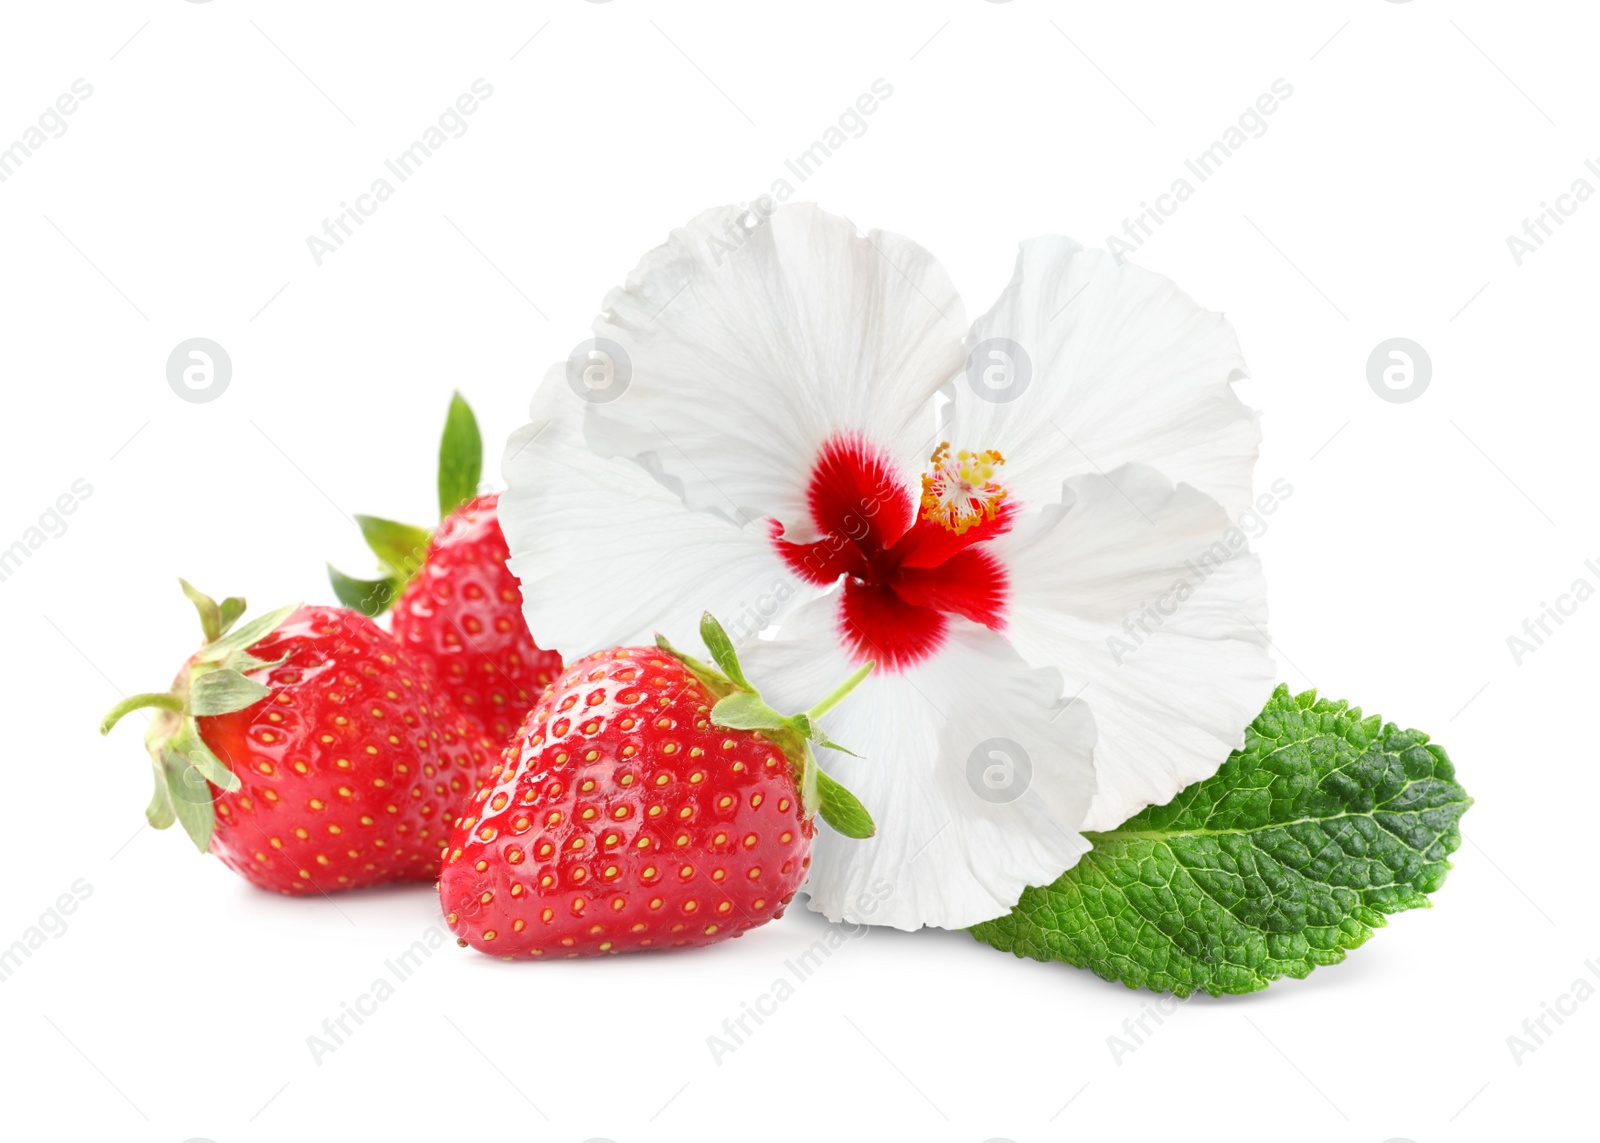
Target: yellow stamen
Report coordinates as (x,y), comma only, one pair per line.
(959,490)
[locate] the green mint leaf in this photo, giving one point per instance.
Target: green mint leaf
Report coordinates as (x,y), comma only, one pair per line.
(1290,855)
(460,457)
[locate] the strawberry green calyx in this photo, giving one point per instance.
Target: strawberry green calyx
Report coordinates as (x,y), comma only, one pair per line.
(401,548)
(460,457)
(739,706)
(213,681)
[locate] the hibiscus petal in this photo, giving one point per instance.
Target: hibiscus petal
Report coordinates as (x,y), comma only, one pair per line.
(1152,607)
(857,495)
(1122,367)
(750,347)
(859,506)
(879,625)
(928,544)
(972,583)
(607,555)
(820,562)
(975,772)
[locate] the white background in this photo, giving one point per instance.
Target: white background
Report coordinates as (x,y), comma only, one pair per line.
(1419,536)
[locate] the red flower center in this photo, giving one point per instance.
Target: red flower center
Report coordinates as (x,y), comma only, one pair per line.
(906,571)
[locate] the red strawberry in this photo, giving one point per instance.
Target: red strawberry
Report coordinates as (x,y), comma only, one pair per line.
(648,801)
(463,612)
(455,601)
(309,751)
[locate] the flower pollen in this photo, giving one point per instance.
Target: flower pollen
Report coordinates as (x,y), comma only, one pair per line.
(959,491)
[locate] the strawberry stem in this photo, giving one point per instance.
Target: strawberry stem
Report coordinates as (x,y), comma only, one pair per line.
(166,700)
(739,706)
(712,679)
(402,548)
(213,681)
(838,694)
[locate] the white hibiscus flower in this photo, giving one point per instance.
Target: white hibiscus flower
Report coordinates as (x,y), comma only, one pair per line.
(1028,525)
